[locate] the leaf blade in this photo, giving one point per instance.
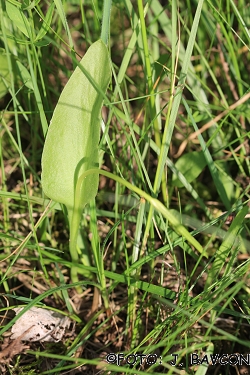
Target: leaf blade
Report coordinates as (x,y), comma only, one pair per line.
(190,165)
(71,145)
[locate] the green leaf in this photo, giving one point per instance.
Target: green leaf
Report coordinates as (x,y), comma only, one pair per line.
(160,67)
(190,165)
(71,145)
(60,9)
(225,179)
(46,23)
(18,18)
(41,43)
(27,5)
(25,75)
(4,73)
(18,69)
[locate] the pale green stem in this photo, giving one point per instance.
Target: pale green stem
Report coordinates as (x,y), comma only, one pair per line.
(74,222)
